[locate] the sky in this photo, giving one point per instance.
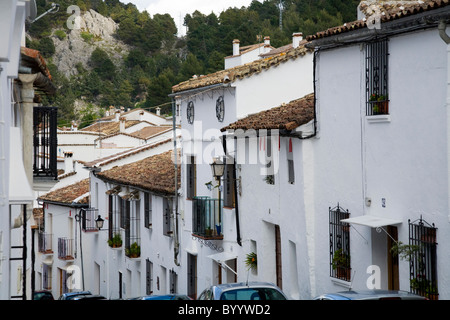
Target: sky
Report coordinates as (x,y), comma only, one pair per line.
(179,8)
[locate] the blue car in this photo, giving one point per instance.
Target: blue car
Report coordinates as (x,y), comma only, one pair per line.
(72,295)
(370,295)
(164,297)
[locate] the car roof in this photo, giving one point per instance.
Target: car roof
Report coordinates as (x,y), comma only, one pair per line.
(218,289)
(375,294)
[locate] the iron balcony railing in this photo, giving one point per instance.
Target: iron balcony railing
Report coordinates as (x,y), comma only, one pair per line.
(207,217)
(88,217)
(45,142)
(65,249)
(45,242)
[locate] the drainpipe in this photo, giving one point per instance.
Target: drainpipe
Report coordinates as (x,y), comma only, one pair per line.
(442,33)
(176,247)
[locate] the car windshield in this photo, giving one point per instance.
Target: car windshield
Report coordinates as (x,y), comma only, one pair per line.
(252,294)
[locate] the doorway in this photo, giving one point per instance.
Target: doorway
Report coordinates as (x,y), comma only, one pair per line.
(192,276)
(393,277)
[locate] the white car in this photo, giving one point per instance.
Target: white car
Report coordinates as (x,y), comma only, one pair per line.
(257,291)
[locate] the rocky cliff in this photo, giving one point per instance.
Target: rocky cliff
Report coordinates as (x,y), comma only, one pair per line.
(76,46)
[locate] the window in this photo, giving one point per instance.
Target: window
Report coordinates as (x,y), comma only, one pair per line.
(149,277)
(167,217)
(228,186)
(190,112)
(270,170)
(220,109)
(422,261)
(191,178)
(377,98)
(290,160)
(339,244)
(147,210)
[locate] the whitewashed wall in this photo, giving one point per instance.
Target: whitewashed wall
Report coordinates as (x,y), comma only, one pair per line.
(402,161)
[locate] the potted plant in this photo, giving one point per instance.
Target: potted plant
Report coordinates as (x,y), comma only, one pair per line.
(341,263)
(115,241)
(419,284)
(134,251)
(251,261)
(380,103)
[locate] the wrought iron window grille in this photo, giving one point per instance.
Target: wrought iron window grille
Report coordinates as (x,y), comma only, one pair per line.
(377,89)
(45,142)
(423,260)
(340,266)
(190,112)
(220,109)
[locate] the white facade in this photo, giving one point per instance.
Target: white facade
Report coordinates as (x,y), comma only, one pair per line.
(222,261)
(398,161)
(16,184)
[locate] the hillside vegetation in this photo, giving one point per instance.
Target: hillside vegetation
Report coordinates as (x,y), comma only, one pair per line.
(156,59)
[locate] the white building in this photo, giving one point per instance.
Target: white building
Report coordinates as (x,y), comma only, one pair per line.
(381,152)
(68,222)
(211,255)
(272,203)
(25,167)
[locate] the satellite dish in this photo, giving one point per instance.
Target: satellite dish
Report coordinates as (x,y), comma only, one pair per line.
(31,10)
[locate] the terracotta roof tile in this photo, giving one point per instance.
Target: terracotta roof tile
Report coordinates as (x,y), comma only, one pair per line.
(155,173)
(287,116)
(69,194)
(240,72)
(109,127)
(389,10)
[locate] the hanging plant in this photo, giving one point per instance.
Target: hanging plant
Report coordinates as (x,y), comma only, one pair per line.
(251,261)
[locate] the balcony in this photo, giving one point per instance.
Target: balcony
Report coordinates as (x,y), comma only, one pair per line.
(88,217)
(65,249)
(45,243)
(207,218)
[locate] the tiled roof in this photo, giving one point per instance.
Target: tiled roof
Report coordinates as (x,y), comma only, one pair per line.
(109,127)
(121,155)
(155,173)
(389,10)
(240,72)
(148,132)
(287,116)
(77,192)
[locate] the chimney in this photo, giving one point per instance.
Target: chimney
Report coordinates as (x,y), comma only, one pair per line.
(122,124)
(68,162)
(297,37)
(158,111)
(267,41)
(236,47)
(141,115)
(117,115)
(74,126)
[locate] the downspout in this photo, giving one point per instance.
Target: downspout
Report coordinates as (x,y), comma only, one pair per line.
(236,207)
(176,247)
(442,33)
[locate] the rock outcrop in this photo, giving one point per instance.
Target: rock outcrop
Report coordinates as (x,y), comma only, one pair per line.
(95,31)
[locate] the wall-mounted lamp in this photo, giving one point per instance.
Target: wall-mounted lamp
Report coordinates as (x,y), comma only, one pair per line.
(99,222)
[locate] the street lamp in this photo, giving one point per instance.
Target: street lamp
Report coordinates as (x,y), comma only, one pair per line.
(217,168)
(99,222)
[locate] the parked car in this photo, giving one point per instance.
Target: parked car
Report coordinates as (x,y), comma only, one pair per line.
(370,295)
(243,291)
(89,297)
(164,297)
(43,295)
(72,295)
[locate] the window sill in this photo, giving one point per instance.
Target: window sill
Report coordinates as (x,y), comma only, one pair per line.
(342,283)
(379,118)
